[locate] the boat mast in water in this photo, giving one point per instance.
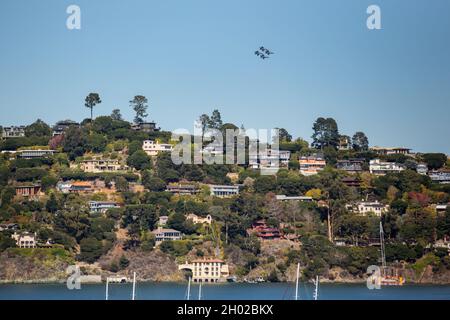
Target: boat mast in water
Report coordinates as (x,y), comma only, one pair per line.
(189,290)
(200,292)
(296,281)
(382,248)
(316,289)
(133,296)
(107,293)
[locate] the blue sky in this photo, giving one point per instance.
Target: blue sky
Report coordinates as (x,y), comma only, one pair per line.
(189,57)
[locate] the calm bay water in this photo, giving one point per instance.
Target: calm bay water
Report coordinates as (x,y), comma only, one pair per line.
(235,291)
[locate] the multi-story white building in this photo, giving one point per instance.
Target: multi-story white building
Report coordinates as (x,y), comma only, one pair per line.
(207,270)
(311,165)
(422,169)
(440,176)
(223,191)
(196,219)
(25,239)
(152,148)
(378,167)
(13,132)
(270,159)
(389,150)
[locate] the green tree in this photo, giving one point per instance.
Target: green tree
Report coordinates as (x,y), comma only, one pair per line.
(52,204)
(360,142)
(116,115)
(91,101)
(139,105)
(325,133)
(215,121)
(434,160)
(139,160)
(38,129)
(90,250)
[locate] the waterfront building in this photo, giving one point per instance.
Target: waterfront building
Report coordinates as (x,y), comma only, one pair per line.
(223,191)
(32,190)
(196,219)
(152,148)
(182,189)
(102,206)
(311,165)
(207,270)
(38,153)
(385,151)
(162,234)
(379,167)
(25,239)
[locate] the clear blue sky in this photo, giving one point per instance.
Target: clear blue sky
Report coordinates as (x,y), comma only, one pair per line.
(191,56)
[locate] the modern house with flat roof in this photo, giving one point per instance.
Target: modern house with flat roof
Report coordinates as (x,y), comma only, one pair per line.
(61,126)
(378,167)
(182,189)
(350,165)
(13,132)
(366,207)
(31,190)
(145,127)
(102,206)
(152,148)
(102,165)
(223,191)
(207,270)
(270,159)
(162,234)
(385,151)
(440,176)
(282,197)
(311,165)
(37,153)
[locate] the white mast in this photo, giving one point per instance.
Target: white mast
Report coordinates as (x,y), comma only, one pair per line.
(296,281)
(200,292)
(134,286)
(316,289)
(107,283)
(383,252)
(189,289)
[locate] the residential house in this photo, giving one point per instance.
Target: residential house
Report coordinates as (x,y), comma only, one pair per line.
(263,231)
(162,234)
(81,187)
(145,127)
(196,219)
(101,206)
(25,239)
(223,191)
(345,143)
(32,190)
(378,167)
(389,151)
(366,207)
(352,166)
(422,169)
(61,126)
(13,132)
(207,270)
(282,197)
(352,182)
(102,165)
(182,189)
(152,148)
(38,153)
(8,226)
(271,159)
(311,165)
(440,176)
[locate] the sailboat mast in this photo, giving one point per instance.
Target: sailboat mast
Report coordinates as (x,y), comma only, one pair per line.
(383,252)
(189,289)
(316,290)
(134,287)
(296,281)
(107,289)
(200,292)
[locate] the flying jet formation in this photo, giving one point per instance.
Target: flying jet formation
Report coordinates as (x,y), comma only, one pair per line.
(263,53)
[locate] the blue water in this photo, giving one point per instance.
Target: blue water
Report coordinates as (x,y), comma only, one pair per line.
(229,291)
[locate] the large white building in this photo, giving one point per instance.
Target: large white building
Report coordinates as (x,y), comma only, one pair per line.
(38,153)
(13,132)
(162,234)
(25,239)
(270,159)
(368,207)
(223,191)
(378,167)
(102,165)
(102,206)
(152,148)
